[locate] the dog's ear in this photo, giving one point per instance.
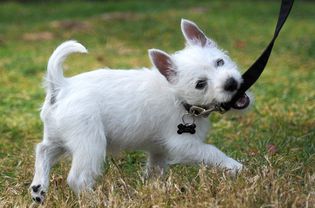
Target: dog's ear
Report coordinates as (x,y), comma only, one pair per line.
(163,62)
(193,34)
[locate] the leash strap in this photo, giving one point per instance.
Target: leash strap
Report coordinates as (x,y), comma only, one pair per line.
(254,72)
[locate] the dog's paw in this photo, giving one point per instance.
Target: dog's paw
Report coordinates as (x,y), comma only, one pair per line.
(233,167)
(38,193)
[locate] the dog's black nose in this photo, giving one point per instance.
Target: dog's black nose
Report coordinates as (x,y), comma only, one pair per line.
(230,84)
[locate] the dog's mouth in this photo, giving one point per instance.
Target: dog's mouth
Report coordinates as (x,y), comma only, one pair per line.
(205,110)
(242,102)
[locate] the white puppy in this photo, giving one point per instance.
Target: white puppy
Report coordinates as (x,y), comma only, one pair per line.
(106,111)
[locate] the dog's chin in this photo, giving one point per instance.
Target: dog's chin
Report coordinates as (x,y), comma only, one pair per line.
(242,103)
(242,106)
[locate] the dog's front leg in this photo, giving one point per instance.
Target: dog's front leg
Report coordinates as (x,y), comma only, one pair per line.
(187,149)
(156,165)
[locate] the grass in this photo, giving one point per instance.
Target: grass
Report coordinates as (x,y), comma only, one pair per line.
(276,140)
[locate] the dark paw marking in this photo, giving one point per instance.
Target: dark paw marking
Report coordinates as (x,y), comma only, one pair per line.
(38,200)
(38,193)
(36,188)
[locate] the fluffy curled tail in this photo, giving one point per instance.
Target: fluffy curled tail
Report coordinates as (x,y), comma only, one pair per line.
(54,79)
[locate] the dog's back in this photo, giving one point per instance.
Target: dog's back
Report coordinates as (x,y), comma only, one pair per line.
(128,105)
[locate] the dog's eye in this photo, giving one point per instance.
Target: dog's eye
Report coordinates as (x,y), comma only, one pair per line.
(219,62)
(201,84)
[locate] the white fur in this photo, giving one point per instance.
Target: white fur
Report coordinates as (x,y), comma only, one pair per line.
(106,111)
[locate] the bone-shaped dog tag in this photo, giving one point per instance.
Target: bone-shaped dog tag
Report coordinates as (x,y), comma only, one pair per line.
(186,128)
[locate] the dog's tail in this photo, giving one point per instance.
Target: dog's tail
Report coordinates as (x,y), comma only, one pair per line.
(54,79)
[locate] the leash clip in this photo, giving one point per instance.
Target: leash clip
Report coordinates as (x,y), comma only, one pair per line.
(202,112)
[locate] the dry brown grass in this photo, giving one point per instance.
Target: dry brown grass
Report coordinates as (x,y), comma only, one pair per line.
(266,186)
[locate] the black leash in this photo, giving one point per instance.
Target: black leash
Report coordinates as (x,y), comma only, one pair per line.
(249,77)
(254,72)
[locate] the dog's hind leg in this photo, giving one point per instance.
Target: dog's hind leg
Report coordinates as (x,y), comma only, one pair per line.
(47,154)
(88,154)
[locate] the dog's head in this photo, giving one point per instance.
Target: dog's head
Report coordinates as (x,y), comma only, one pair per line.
(201,74)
